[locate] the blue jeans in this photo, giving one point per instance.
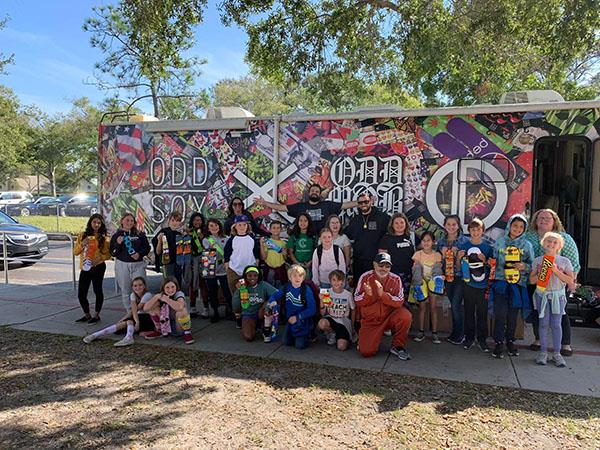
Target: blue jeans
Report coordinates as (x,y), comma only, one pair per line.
(505,319)
(300,342)
(454,293)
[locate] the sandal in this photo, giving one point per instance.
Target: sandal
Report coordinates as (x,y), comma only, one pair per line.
(566,351)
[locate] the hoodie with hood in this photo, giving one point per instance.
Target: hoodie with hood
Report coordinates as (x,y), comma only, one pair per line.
(522,244)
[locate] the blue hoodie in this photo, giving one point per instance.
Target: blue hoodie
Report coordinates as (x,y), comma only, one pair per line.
(295,307)
(522,244)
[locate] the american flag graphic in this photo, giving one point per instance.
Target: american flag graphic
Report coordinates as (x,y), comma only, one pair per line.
(130,149)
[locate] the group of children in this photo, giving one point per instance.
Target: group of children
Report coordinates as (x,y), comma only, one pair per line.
(304,281)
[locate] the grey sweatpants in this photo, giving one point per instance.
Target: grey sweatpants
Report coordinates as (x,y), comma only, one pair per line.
(125,272)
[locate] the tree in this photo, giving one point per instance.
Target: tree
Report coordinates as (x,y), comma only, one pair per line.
(144,42)
(14,135)
(445,52)
(63,147)
(4,59)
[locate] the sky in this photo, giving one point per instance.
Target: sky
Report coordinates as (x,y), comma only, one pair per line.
(54,59)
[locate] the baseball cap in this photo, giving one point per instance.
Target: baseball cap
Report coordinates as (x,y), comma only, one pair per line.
(383,258)
(240,219)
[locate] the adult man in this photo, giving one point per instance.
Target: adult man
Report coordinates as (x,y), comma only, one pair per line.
(380,300)
(366,230)
(317,208)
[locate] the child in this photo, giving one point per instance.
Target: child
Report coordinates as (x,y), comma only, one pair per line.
(302,242)
(216,274)
(448,246)
(94,249)
(549,301)
(168,306)
(338,312)
(340,239)
(249,303)
(196,230)
(300,308)
(473,255)
(240,251)
(272,252)
(128,246)
(134,320)
(426,259)
(326,258)
(508,294)
(165,247)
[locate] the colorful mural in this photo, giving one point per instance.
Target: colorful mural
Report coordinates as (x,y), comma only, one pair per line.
(428,167)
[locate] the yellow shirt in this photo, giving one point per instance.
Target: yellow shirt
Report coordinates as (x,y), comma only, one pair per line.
(275,259)
(102,254)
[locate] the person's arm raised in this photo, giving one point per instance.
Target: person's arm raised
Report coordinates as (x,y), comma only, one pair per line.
(276,206)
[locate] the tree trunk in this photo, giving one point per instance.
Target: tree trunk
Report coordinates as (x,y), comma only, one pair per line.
(155,101)
(52,179)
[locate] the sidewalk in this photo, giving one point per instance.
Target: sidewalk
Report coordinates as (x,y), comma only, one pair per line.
(54,308)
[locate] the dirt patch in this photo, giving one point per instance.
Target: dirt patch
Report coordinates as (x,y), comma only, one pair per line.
(59,393)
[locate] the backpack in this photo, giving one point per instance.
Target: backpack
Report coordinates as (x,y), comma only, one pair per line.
(336,254)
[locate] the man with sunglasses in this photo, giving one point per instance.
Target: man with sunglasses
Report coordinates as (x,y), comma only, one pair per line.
(317,208)
(366,230)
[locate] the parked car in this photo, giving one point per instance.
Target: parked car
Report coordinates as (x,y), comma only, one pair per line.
(81,205)
(43,206)
(12,197)
(21,240)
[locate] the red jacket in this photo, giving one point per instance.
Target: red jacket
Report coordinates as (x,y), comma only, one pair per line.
(375,309)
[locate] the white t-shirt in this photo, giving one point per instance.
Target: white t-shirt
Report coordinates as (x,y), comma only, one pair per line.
(341,307)
(145,298)
(342,241)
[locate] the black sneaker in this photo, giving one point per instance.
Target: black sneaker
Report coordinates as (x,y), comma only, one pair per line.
(498,351)
(401,353)
(512,349)
(215,318)
(238,323)
(467,345)
(483,347)
(454,341)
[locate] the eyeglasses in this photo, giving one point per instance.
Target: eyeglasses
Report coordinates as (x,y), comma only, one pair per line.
(237,203)
(546,218)
(363,202)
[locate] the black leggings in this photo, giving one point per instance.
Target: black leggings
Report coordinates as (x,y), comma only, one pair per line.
(565,323)
(94,276)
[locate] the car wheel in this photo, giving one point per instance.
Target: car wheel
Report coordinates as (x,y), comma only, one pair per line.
(25,212)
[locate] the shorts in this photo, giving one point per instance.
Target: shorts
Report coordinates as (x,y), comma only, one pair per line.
(250,317)
(146,323)
(341,332)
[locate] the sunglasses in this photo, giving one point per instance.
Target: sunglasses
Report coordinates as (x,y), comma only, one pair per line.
(363,202)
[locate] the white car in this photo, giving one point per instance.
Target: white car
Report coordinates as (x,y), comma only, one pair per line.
(13,197)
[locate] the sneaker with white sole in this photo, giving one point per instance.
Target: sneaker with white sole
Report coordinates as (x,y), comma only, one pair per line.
(542,358)
(559,361)
(435,338)
(266,335)
(127,340)
(187,337)
(331,340)
(419,337)
(401,353)
(193,311)
(89,338)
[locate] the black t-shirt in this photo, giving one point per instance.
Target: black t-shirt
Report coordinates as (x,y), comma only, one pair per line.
(401,249)
(318,212)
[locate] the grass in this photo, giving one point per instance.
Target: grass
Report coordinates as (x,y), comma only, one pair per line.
(60,393)
(71,225)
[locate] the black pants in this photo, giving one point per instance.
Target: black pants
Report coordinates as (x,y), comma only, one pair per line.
(359,267)
(95,277)
(213,292)
(475,313)
(565,323)
(505,319)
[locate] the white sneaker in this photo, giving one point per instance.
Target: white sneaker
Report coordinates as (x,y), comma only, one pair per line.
(89,338)
(331,339)
(559,361)
(125,342)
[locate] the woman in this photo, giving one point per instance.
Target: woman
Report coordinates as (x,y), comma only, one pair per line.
(128,246)
(236,208)
(543,221)
(400,243)
(92,246)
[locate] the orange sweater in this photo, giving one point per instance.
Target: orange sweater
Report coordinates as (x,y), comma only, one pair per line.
(375,309)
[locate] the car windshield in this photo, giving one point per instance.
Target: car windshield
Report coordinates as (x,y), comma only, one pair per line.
(4,219)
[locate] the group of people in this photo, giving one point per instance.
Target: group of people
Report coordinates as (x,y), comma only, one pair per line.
(351,284)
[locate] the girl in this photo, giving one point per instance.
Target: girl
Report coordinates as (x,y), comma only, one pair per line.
(427,259)
(134,320)
(93,248)
(249,302)
(214,245)
(240,251)
(128,246)
(341,240)
(399,243)
(196,229)
(168,308)
(165,247)
(550,302)
(448,246)
(326,258)
(302,242)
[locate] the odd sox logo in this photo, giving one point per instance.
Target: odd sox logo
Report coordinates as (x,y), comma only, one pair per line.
(457,171)
(381,176)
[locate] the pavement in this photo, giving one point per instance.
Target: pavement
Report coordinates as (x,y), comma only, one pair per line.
(53,308)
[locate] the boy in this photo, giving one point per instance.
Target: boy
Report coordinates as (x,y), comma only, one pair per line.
(514,255)
(300,308)
(338,311)
(165,247)
(474,254)
(272,252)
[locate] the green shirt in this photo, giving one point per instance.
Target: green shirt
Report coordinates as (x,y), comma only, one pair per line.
(257,295)
(303,247)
